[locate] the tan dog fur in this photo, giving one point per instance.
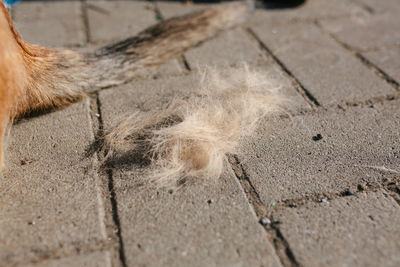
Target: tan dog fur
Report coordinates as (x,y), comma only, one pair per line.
(34,78)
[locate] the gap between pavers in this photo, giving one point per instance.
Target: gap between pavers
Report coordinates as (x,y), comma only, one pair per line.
(235,48)
(387,59)
(357,230)
(311,10)
(368,31)
(204,223)
(328,151)
(378,7)
(48,188)
(228,48)
(53,24)
(328,71)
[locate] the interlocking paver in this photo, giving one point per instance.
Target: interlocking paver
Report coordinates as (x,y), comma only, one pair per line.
(358,230)
(185,229)
(216,52)
(48,196)
(387,59)
(198,225)
(115,20)
(285,160)
(313,9)
(331,73)
(366,31)
(52,213)
(53,24)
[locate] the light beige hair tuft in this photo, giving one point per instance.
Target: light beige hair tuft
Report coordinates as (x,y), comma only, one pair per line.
(192,135)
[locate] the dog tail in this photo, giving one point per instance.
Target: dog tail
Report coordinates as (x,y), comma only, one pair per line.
(59,77)
(167,40)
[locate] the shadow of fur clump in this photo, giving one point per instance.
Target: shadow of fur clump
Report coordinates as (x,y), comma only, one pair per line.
(135,148)
(191,136)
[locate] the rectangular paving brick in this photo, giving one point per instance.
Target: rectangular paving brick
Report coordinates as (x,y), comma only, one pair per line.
(241,49)
(310,10)
(366,31)
(48,194)
(329,72)
(387,59)
(116,20)
(202,224)
(358,230)
(287,159)
(54,24)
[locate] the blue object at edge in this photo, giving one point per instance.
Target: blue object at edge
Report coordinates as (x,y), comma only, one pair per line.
(10,3)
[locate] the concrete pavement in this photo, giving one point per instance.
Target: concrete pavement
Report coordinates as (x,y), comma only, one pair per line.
(320,188)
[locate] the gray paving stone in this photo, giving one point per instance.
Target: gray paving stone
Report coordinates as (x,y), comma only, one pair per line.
(216,51)
(293,101)
(96,259)
(311,10)
(284,162)
(48,195)
(328,71)
(115,20)
(387,59)
(366,31)
(53,24)
(184,229)
(180,229)
(377,6)
(359,230)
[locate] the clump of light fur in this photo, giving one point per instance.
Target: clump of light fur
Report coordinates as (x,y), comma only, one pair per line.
(192,136)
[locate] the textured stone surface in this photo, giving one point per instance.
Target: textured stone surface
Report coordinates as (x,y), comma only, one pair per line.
(377,6)
(96,259)
(358,230)
(313,9)
(54,24)
(115,20)
(284,162)
(387,59)
(216,51)
(328,71)
(48,198)
(55,209)
(366,31)
(203,224)
(183,228)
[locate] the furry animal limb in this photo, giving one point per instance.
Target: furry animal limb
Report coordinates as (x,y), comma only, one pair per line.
(191,136)
(34,78)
